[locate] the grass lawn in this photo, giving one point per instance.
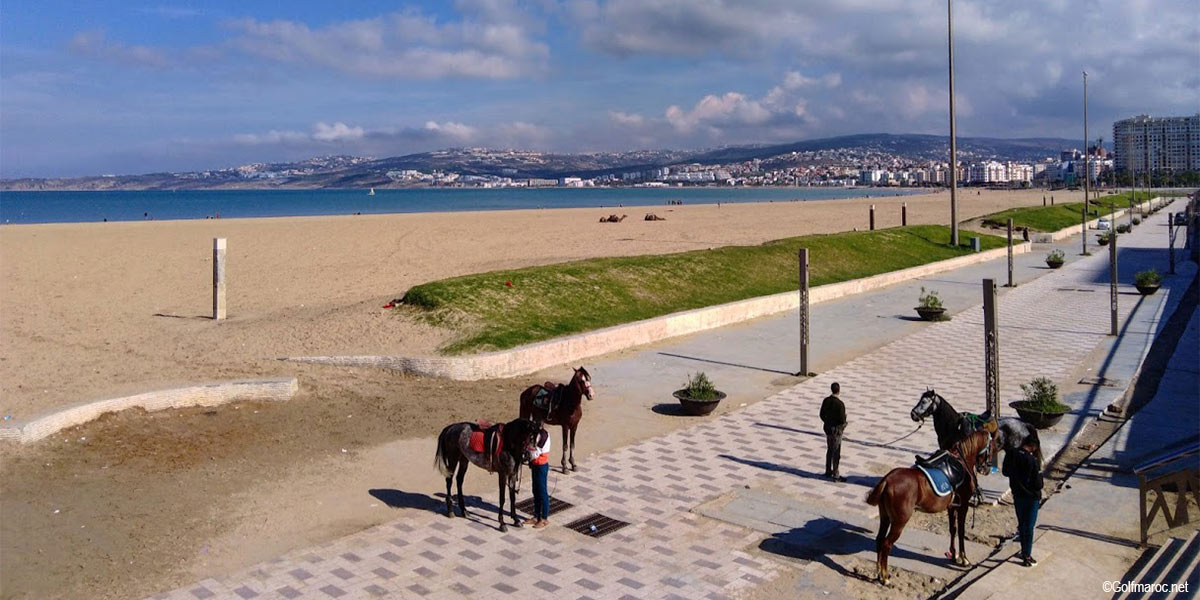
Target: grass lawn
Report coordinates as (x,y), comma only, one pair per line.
(1063,214)
(555,300)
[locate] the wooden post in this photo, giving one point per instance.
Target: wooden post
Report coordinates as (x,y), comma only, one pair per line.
(1043,200)
(803,313)
(1112,282)
(904,214)
(1051,199)
(218,278)
(1171,241)
(1083,226)
(872,217)
(1010,254)
(991,349)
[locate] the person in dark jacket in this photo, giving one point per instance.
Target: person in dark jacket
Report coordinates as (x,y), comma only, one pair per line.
(1024,474)
(833,416)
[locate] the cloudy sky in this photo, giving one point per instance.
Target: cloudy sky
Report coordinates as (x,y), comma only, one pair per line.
(134,87)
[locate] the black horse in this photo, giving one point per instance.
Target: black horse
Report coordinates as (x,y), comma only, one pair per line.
(952,426)
(505,448)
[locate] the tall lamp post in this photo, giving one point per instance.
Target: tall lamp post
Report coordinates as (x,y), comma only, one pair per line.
(1087,166)
(953,139)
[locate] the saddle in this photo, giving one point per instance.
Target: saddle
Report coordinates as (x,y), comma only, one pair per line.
(486,439)
(944,471)
(548,396)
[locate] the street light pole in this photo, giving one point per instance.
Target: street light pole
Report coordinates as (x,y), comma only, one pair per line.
(953,138)
(1087,168)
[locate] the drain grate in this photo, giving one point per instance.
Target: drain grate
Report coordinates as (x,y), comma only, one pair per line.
(556,505)
(1067,289)
(596,525)
(1103,382)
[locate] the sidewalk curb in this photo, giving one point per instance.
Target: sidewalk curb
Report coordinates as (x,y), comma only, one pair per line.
(531,358)
(210,394)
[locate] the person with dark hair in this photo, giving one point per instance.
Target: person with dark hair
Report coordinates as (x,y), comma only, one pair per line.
(1024,472)
(833,416)
(539,465)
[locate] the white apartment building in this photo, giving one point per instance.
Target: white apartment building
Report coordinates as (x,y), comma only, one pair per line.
(1145,144)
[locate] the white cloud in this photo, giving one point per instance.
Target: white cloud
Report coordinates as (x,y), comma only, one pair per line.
(338,132)
(626,119)
(95,44)
(718,111)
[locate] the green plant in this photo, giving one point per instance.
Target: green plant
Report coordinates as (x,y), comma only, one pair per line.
(1055,256)
(1105,237)
(1042,395)
(700,387)
(1147,278)
(1123,228)
(1137,221)
(929,299)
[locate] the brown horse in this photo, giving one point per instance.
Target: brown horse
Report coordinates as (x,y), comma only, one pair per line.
(505,448)
(565,408)
(904,489)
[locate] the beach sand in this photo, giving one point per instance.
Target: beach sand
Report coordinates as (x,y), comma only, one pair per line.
(137,503)
(97,310)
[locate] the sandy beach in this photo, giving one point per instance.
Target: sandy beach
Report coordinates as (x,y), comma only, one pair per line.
(136,503)
(98,310)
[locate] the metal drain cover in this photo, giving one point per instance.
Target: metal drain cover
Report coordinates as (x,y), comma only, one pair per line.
(1067,289)
(1104,382)
(596,525)
(556,505)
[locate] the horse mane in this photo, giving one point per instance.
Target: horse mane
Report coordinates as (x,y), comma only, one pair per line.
(974,442)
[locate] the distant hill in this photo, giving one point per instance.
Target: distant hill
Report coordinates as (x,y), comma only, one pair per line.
(357,172)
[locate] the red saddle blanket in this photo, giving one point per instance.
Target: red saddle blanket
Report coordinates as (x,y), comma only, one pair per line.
(476,441)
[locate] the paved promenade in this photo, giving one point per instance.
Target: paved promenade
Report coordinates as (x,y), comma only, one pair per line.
(1048,326)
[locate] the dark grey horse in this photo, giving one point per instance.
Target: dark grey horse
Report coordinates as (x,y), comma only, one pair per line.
(952,426)
(506,448)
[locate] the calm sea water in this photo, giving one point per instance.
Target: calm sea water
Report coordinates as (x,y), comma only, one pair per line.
(74,207)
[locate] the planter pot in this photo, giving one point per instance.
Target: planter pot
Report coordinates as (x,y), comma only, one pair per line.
(1054,264)
(930,314)
(1037,418)
(1148,290)
(1102,241)
(697,407)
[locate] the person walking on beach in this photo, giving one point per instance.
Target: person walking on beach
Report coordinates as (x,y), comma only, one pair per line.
(539,464)
(833,416)
(1025,477)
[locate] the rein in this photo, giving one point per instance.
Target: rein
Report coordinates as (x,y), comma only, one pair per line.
(919,426)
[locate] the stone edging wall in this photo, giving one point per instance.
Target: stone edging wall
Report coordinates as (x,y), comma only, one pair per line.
(210,394)
(570,349)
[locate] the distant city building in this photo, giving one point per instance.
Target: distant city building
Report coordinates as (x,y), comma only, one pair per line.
(1147,144)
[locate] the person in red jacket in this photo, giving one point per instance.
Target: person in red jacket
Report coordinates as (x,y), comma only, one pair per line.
(539,464)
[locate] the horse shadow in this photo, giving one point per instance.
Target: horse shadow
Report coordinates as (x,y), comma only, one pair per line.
(484,512)
(822,538)
(862,480)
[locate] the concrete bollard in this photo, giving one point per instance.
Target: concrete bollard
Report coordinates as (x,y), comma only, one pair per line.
(872,217)
(218,278)
(976,246)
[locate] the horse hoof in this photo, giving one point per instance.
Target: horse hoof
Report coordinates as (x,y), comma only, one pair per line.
(503,528)
(573,468)
(450,514)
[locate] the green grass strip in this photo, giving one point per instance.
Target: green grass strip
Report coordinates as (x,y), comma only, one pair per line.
(1064,214)
(549,301)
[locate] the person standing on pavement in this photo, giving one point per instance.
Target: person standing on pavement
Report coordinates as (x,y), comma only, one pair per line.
(833,416)
(539,464)
(1024,474)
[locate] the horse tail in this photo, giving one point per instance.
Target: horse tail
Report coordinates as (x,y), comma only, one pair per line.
(440,461)
(877,492)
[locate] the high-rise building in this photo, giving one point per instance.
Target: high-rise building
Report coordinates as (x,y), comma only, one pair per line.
(1148,144)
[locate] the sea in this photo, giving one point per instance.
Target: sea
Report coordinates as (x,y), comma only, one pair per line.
(84,207)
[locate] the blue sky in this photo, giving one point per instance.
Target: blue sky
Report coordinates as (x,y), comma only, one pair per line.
(136,87)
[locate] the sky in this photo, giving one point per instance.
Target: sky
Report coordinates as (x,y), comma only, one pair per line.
(102,87)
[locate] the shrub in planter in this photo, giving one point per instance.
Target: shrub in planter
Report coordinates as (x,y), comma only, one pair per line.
(1137,221)
(1054,259)
(1104,238)
(1123,228)
(699,396)
(1040,407)
(1147,282)
(929,305)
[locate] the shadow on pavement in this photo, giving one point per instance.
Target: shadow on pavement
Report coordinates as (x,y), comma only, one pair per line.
(770,466)
(823,537)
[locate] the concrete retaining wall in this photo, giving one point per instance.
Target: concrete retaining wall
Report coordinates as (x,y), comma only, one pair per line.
(571,349)
(210,394)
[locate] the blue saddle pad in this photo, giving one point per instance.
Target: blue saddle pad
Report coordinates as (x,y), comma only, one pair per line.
(937,478)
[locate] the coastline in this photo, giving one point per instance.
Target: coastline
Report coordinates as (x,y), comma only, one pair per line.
(118,308)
